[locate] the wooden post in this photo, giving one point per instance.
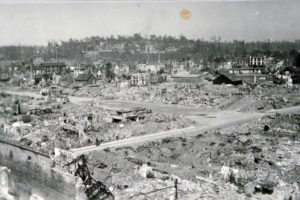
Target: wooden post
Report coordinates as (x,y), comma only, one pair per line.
(176,189)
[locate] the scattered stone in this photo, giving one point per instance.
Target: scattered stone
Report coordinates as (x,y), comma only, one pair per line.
(101,165)
(249,189)
(295,194)
(146,171)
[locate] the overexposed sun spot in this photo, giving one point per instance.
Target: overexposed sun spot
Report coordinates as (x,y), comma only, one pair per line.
(185,14)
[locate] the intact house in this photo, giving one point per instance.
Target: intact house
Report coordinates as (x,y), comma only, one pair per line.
(86,79)
(149,48)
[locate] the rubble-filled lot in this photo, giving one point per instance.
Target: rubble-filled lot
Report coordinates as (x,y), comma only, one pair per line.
(204,95)
(46,123)
(201,95)
(258,160)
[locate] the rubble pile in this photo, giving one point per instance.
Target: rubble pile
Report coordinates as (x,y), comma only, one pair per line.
(45,123)
(274,97)
(260,162)
(202,95)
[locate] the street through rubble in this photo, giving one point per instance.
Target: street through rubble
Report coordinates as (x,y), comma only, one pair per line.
(205,121)
(222,121)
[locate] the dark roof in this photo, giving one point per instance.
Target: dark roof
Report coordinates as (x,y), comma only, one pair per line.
(53,64)
(84,77)
(227,79)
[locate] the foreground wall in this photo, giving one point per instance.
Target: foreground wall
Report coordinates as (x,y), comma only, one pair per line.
(31,174)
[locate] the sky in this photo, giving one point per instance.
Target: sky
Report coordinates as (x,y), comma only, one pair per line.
(34,22)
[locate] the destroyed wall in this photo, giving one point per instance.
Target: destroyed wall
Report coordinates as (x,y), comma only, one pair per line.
(23,162)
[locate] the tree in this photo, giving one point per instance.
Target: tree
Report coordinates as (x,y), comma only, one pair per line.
(137,37)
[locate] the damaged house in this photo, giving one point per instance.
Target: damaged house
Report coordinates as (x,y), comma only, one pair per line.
(48,71)
(86,79)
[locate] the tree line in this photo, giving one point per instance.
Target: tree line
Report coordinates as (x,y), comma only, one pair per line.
(213,50)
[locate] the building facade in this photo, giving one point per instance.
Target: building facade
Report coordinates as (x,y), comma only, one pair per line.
(58,68)
(257,61)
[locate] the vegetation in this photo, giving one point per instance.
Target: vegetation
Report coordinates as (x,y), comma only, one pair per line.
(133,48)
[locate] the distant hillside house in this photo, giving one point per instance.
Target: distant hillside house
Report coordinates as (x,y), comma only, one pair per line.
(37,61)
(86,79)
(119,47)
(150,49)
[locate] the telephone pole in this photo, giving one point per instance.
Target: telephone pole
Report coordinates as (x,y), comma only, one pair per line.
(176,189)
(56,52)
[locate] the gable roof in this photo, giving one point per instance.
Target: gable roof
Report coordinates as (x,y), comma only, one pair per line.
(84,77)
(228,79)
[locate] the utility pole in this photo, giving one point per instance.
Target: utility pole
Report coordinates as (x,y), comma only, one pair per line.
(176,189)
(56,52)
(148,51)
(158,58)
